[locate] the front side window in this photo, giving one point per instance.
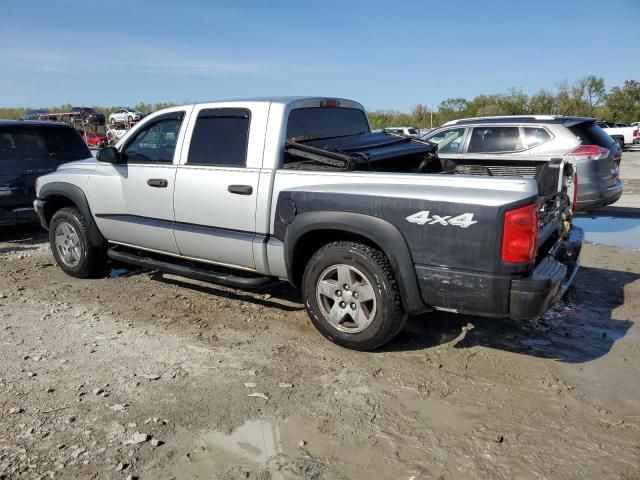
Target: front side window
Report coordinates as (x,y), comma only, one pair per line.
(220,138)
(495,139)
(155,143)
(536,136)
(448,141)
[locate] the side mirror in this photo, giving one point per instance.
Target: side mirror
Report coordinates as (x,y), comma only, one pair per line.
(108,155)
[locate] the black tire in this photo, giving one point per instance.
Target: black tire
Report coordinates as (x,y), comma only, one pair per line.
(388,317)
(91,259)
(130,118)
(620,142)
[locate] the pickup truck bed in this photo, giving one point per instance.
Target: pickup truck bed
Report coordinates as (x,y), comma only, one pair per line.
(369,226)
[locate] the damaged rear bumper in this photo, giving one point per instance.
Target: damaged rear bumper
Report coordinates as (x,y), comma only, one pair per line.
(531,296)
(494,295)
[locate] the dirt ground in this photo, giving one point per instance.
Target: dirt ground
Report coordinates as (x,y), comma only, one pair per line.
(151,376)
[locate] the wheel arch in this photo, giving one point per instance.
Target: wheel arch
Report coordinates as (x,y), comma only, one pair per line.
(310,231)
(57,195)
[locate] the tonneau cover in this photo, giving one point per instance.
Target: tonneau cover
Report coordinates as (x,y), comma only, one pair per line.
(374,146)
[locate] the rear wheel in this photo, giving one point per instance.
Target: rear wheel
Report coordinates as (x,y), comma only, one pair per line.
(71,245)
(620,142)
(112,121)
(352,296)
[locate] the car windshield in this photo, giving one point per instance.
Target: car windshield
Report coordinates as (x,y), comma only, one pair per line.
(29,142)
(325,122)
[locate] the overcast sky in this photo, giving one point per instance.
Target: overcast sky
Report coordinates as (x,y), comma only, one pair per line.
(389,55)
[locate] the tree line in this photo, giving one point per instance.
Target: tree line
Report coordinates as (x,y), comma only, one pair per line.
(585,97)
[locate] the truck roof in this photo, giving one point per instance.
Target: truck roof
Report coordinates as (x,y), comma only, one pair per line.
(563,119)
(286,100)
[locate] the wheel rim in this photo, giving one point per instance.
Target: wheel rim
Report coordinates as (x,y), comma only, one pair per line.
(346,298)
(68,244)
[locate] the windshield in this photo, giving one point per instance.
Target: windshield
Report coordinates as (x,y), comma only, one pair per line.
(31,142)
(325,122)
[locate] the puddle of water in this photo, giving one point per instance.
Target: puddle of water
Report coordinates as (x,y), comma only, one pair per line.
(614,231)
(271,448)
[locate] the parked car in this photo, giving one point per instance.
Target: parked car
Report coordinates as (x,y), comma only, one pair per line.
(518,139)
(408,131)
(624,135)
(33,114)
(88,115)
(27,150)
(369,226)
(94,139)
(125,115)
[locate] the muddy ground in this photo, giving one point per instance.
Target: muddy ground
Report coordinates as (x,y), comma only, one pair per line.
(151,376)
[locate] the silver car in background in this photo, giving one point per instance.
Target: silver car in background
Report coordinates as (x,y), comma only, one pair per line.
(595,154)
(126,115)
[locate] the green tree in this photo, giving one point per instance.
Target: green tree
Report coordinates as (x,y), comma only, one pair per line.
(623,103)
(594,92)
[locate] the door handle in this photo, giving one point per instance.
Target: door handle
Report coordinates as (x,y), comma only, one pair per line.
(157,182)
(240,189)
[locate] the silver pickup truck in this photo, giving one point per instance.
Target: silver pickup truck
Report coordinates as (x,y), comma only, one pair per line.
(370,226)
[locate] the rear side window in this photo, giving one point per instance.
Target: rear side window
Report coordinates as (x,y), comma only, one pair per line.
(31,142)
(591,134)
(495,139)
(220,138)
(325,122)
(536,136)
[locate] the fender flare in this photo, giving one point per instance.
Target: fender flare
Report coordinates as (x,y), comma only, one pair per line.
(379,231)
(77,196)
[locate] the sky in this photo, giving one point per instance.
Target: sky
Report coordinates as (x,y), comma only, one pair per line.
(387,55)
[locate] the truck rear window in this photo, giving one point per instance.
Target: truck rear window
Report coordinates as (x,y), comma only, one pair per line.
(38,142)
(325,122)
(591,134)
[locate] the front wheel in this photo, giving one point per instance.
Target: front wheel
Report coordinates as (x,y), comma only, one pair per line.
(71,245)
(352,296)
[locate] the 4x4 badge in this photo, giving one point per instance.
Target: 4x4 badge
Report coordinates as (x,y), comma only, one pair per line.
(423,218)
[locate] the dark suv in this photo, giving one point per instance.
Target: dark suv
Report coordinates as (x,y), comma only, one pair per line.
(88,115)
(27,151)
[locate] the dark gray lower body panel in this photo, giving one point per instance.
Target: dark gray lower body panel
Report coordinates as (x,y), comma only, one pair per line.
(518,297)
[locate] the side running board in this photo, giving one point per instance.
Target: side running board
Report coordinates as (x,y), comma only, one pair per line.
(197,273)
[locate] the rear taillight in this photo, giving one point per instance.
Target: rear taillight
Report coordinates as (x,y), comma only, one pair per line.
(520,235)
(635,133)
(590,151)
